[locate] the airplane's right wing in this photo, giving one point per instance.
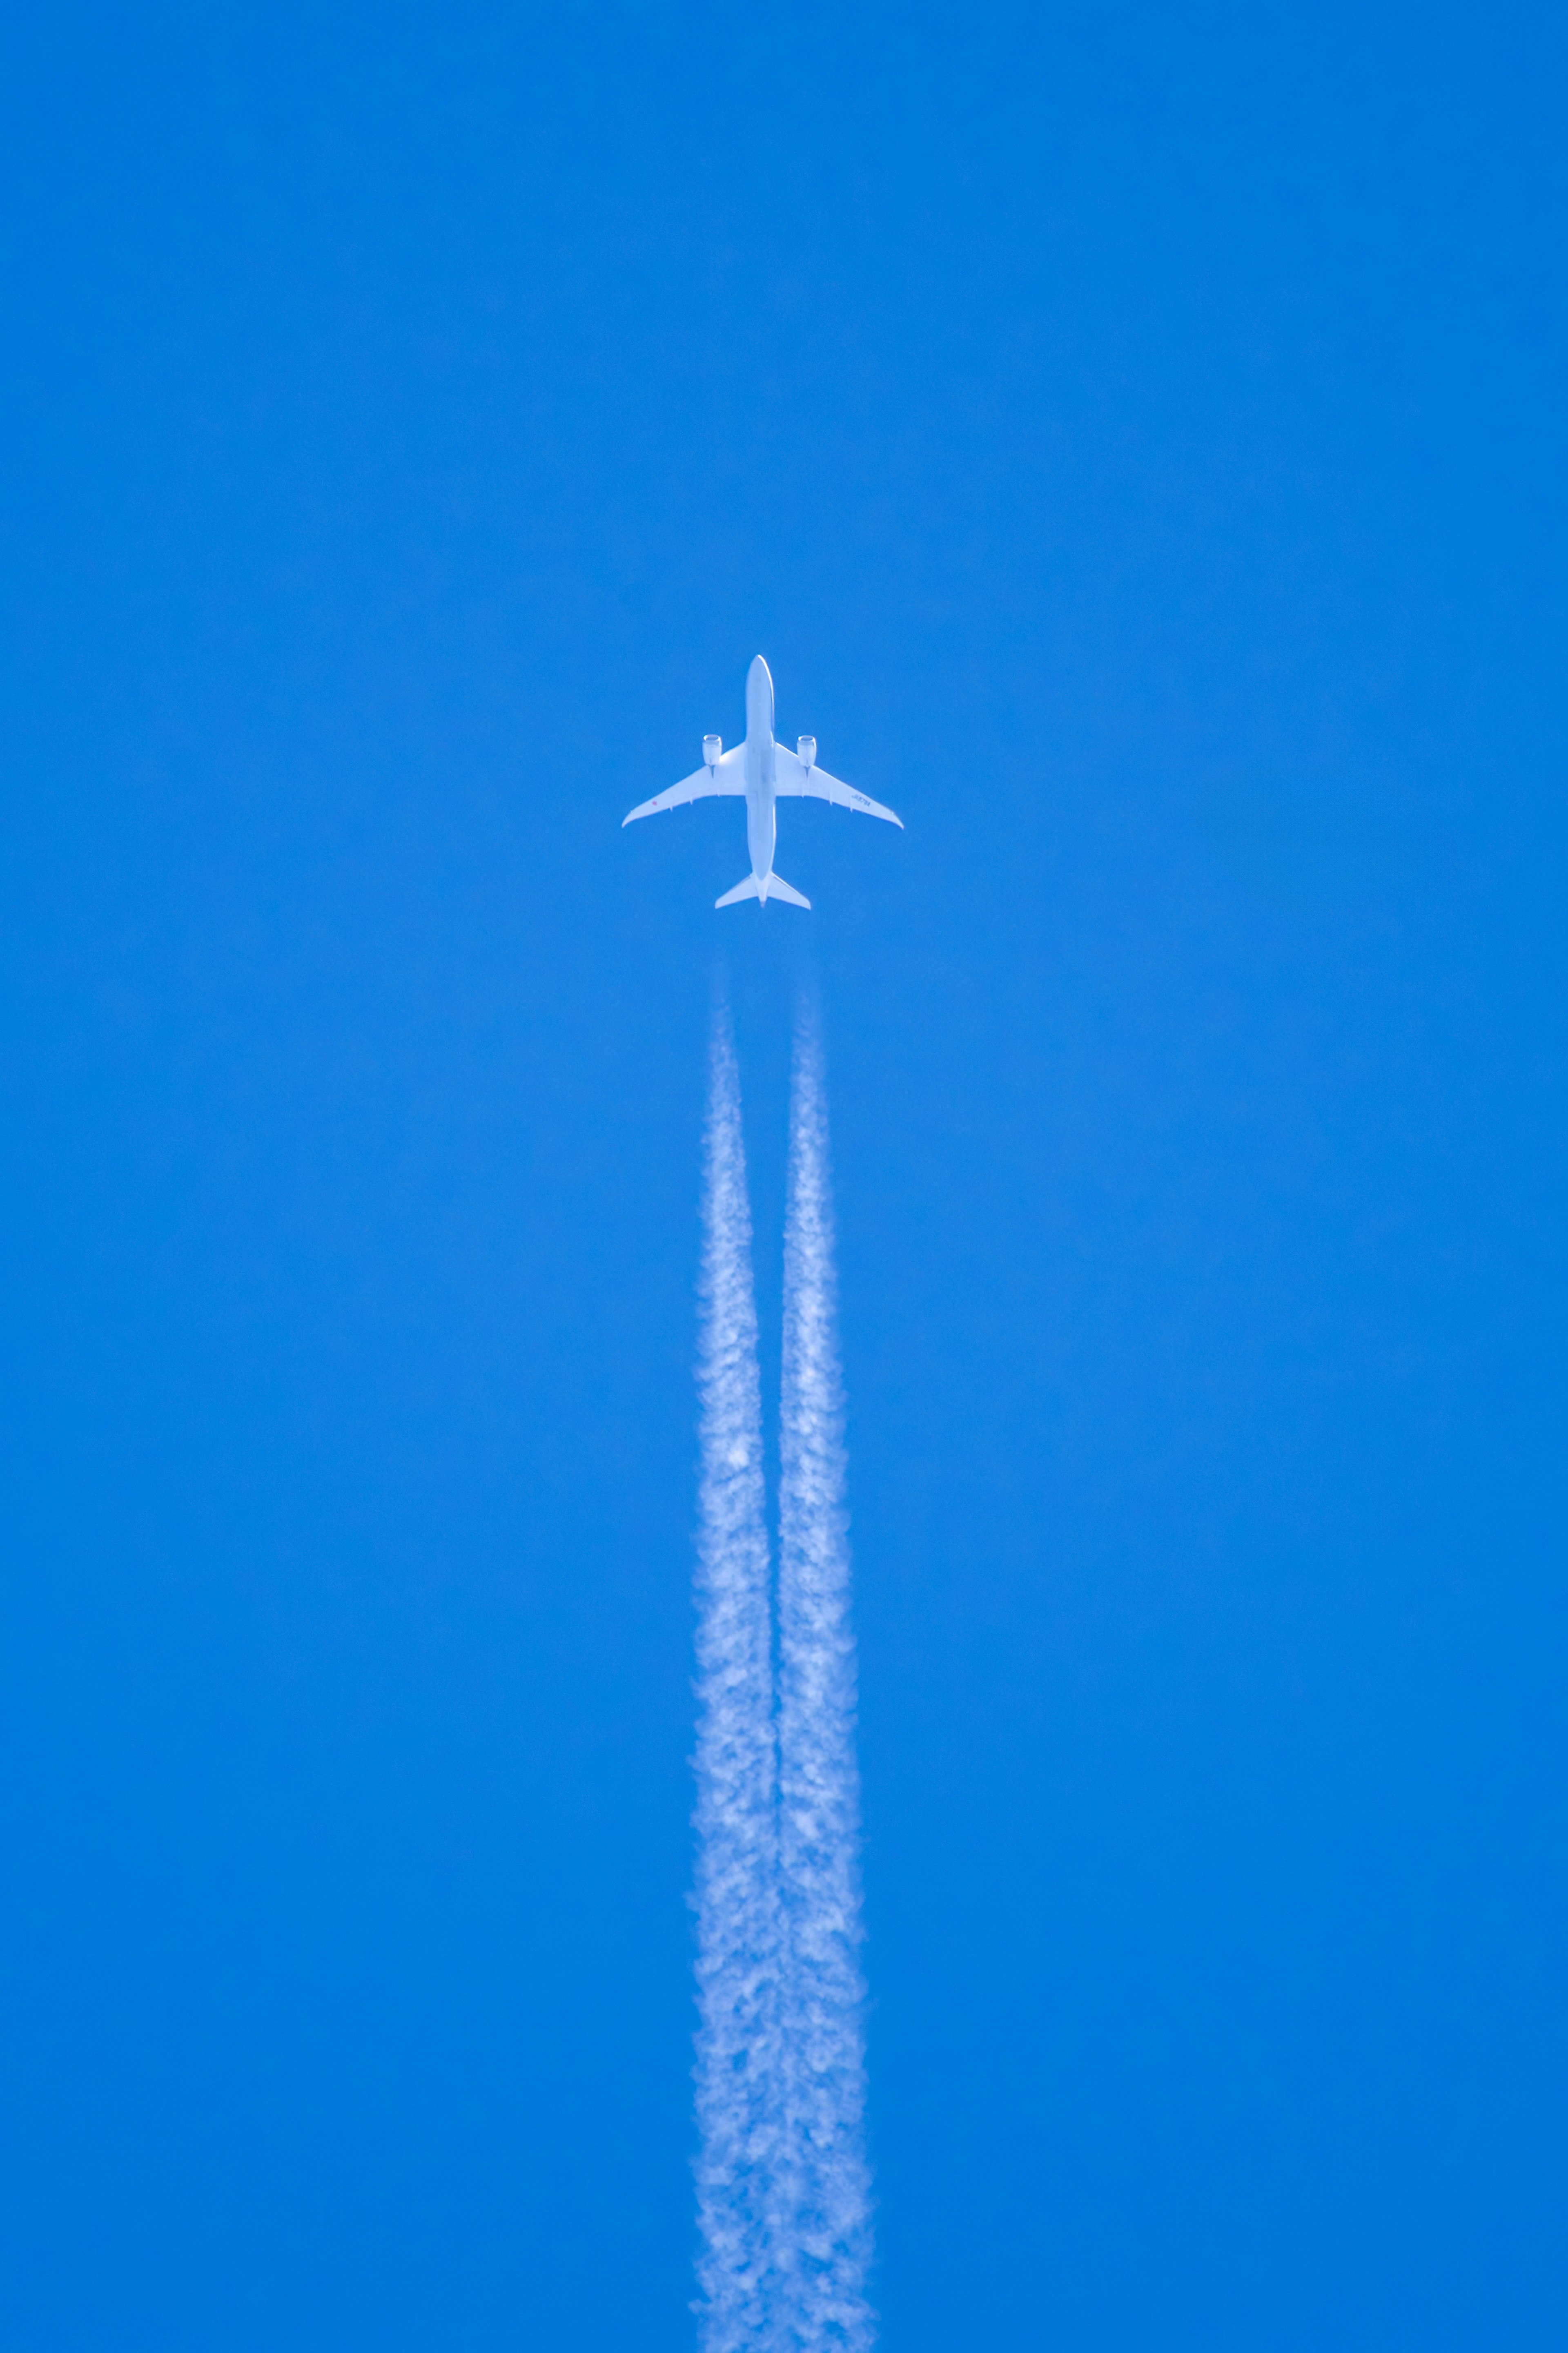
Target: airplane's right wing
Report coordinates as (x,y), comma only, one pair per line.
(792,775)
(728,776)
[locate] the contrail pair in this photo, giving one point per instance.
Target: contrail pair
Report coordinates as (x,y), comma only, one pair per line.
(782,2186)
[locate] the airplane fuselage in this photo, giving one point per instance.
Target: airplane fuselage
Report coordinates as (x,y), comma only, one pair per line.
(762,812)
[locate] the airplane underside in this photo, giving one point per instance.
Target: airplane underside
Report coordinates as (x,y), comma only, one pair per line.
(758,771)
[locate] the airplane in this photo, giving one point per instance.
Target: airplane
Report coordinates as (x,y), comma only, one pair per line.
(761,770)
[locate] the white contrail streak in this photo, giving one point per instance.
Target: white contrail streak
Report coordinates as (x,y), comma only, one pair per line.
(825,2246)
(739,2102)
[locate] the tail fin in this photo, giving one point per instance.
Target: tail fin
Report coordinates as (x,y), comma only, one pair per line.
(746,889)
(779,888)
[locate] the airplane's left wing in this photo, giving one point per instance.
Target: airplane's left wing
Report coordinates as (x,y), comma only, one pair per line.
(727,775)
(792,775)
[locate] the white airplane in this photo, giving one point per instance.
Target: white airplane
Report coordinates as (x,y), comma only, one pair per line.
(761,770)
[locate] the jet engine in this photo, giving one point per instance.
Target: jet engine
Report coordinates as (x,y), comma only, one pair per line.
(807,748)
(711,747)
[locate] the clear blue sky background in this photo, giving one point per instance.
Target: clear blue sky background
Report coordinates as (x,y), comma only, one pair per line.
(1135,438)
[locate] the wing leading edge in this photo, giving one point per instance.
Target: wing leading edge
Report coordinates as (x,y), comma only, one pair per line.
(792,775)
(728,776)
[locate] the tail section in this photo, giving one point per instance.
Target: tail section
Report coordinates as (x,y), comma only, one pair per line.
(763,887)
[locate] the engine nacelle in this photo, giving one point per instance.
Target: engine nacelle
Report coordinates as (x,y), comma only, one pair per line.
(711,747)
(807,748)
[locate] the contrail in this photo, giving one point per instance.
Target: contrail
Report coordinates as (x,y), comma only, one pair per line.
(739,2100)
(826,2248)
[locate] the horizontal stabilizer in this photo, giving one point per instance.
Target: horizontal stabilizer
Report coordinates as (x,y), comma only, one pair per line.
(766,887)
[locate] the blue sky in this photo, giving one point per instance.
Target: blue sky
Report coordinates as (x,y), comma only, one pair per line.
(1134,438)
